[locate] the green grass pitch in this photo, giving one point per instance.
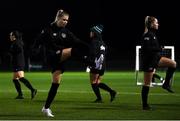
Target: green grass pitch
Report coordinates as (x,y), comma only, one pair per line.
(74,98)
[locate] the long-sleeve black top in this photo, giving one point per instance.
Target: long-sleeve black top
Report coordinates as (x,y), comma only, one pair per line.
(150,44)
(55,38)
(17,51)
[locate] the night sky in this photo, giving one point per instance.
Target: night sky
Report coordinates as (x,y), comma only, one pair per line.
(123,21)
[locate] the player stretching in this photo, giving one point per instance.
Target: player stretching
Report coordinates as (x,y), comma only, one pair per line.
(60,45)
(152,59)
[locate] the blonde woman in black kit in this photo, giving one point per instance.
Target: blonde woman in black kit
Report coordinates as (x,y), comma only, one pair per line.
(152,59)
(18,63)
(60,44)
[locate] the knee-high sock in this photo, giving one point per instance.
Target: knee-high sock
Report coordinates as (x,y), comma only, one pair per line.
(144,95)
(51,94)
(96,90)
(17,86)
(153,78)
(169,74)
(26,83)
(156,76)
(105,87)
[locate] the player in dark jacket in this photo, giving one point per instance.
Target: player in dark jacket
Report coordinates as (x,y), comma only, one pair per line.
(152,59)
(96,62)
(60,44)
(18,63)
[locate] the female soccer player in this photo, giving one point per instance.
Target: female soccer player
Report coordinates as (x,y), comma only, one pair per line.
(97,60)
(152,59)
(60,45)
(17,51)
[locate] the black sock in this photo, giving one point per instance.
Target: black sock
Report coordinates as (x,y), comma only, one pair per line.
(153,78)
(105,87)
(26,83)
(169,74)
(156,76)
(96,91)
(51,94)
(17,86)
(144,95)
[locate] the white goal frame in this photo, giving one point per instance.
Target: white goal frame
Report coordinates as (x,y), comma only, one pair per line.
(137,66)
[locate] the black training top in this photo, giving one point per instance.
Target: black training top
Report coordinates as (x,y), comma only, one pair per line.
(55,38)
(17,51)
(150,44)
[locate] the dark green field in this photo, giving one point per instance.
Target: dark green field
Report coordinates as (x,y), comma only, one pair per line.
(74,99)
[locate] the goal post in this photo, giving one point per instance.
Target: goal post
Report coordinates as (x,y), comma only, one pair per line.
(168,51)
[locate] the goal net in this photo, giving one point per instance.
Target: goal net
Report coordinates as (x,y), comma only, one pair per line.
(168,51)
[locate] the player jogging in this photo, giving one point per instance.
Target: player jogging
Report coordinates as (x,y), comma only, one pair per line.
(18,63)
(97,59)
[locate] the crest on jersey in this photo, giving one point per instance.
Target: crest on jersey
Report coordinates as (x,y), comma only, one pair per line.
(54,34)
(146,38)
(63,35)
(42,32)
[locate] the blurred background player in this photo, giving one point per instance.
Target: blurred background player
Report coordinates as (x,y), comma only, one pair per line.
(152,59)
(96,63)
(18,63)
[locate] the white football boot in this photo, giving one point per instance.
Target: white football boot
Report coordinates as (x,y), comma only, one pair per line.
(47,112)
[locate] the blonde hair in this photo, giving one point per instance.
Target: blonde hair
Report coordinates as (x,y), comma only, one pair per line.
(59,14)
(148,21)
(145,23)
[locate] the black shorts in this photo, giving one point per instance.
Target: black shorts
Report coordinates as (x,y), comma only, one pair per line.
(149,63)
(54,61)
(18,68)
(95,71)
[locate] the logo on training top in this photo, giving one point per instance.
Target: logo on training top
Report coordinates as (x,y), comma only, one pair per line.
(154,37)
(102,47)
(146,38)
(54,34)
(63,35)
(42,32)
